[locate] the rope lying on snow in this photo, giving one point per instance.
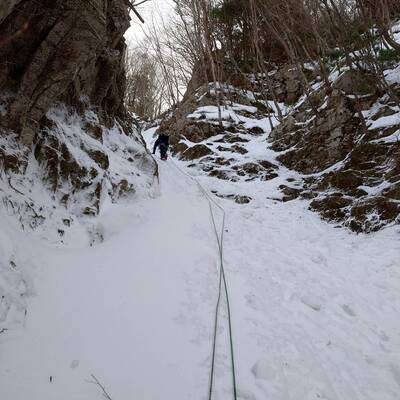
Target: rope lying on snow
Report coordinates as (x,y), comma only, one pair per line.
(222,279)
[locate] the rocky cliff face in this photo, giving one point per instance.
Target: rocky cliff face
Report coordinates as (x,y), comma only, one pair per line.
(350,167)
(69,51)
(346,167)
(63,124)
(250,90)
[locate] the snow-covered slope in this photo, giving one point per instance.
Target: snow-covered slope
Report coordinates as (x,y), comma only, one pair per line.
(133,310)
(51,196)
(314,309)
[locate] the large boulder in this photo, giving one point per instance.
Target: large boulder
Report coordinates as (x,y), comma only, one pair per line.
(65,50)
(323,141)
(196,152)
(288,83)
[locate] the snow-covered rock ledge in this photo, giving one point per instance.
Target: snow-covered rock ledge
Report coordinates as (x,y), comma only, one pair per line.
(76,165)
(54,192)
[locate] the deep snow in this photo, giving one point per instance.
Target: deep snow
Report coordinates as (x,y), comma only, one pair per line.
(120,310)
(315,309)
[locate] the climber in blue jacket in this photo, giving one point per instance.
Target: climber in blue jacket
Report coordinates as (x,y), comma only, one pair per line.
(162,142)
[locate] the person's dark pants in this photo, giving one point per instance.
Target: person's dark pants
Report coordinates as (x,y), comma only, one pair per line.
(163,150)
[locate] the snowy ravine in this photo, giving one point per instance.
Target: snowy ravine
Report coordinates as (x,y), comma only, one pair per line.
(315,309)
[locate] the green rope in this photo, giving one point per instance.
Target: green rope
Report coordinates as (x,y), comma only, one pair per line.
(222,278)
(222,273)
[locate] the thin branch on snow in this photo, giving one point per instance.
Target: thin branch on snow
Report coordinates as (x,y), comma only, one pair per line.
(96,382)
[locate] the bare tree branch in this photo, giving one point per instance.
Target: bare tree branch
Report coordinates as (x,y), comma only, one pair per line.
(96,382)
(133,6)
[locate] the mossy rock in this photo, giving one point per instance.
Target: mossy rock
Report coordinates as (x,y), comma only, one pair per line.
(123,189)
(221,161)
(234,139)
(242,199)
(269,176)
(100,158)
(309,195)
(94,208)
(93,173)
(198,131)
(65,198)
(357,192)
(196,152)
(223,148)
(239,149)
(334,201)
(346,180)
(90,211)
(256,130)
(69,166)
(393,192)
(290,193)
(354,82)
(94,131)
(267,165)
(366,156)
(179,148)
(386,209)
(333,207)
(47,154)
(373,214)
(252,168)
(220,174)
(9,162)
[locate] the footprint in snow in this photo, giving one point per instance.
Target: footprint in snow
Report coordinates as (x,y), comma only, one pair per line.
(245,395)
(251,301)
(313,302)
(263,370)
(319,259)
(395,370)
(348,310)
(382,335)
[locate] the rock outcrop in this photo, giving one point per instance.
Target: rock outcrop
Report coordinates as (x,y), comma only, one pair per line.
(66,51)
(63,124)
(348,165)
(287,82)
